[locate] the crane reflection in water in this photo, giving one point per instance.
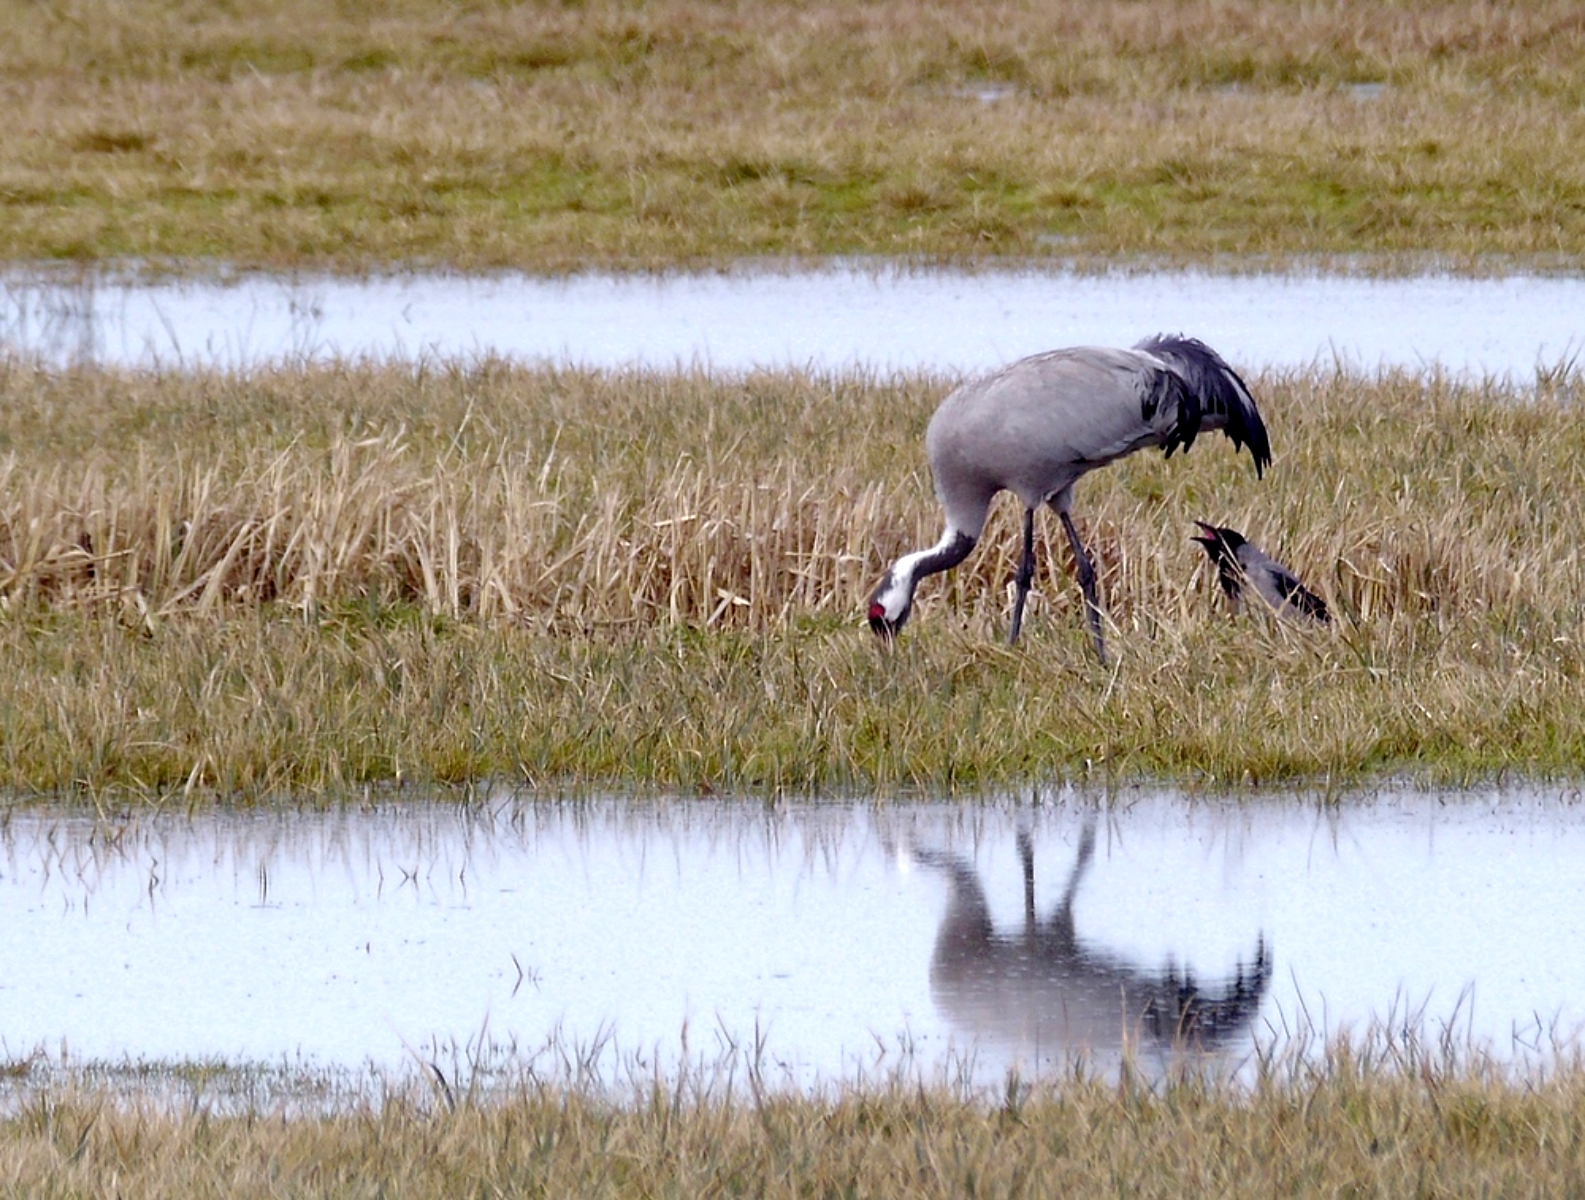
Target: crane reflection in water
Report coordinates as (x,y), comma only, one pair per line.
(1042,989)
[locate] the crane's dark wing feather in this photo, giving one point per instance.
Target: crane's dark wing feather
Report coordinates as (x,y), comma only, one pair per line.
(1220,393)
(1169,388)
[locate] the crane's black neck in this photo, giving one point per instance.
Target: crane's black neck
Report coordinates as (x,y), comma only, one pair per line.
(952,549)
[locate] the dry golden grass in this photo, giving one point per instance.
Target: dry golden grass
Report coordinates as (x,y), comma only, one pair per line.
(314,578)
(569,502)
(572,501)
(560,137)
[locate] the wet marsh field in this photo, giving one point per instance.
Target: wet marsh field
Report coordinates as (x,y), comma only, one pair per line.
(358,507)
(291,136)
(812,944)
(253,582)
(1178,993)
(233,593)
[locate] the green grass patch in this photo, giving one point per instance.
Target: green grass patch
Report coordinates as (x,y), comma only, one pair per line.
(554,138)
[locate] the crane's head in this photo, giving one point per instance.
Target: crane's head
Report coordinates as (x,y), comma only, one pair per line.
(890,603)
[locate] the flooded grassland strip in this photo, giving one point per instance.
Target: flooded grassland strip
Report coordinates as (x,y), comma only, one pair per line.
(546,138)
(240,583)
(1356,1126)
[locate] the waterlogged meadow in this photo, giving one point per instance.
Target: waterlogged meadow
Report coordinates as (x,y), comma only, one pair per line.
(248,583)
(1398,1119)
(289,133)
(286,583)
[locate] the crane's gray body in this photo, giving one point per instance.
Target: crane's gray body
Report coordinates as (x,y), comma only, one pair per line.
(1036,427)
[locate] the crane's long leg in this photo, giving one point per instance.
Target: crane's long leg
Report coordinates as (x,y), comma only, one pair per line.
(1025,576)
(1062,918)
(1081,861)
(1086,572)
(1026,855)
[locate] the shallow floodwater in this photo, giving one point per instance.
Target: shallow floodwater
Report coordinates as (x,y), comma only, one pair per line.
(829,942)
(837,317)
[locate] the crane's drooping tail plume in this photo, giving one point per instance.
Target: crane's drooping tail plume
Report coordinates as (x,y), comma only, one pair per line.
(1239,561)
(1223,398)
(1038,426)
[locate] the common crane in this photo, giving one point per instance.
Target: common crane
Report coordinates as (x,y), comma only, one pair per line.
(1036,427)
(1238,561)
